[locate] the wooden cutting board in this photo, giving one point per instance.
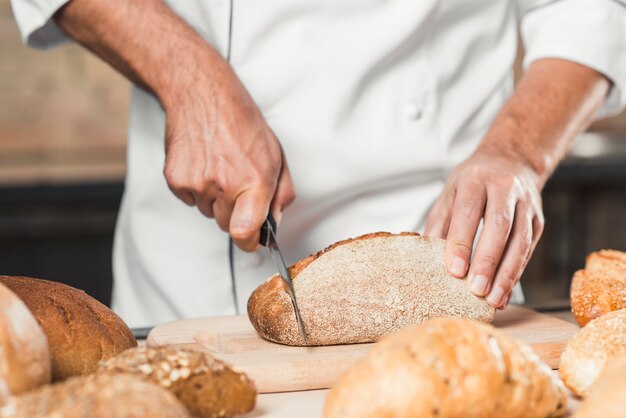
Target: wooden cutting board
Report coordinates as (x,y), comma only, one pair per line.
(280,368)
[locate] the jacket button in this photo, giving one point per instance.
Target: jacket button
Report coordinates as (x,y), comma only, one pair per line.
(412,111)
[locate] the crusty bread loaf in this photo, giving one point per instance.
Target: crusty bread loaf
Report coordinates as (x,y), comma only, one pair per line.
(606,396)
(448,368)
(81,331)
(24,352)
(206,386)
(588,351)
(599,288)
(106,396)
(361,289)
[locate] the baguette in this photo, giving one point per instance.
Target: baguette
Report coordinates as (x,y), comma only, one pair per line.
(361,289)
(589,350)
(81,331)
(206,386)
(607,394)
(24,352)
(448,368)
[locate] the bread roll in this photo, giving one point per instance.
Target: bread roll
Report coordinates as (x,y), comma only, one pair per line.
(606,396)
(588,351)
(448,368)
(24,352)
(361,289)
(205,385)
(107,396)
(81,331)
(599,288)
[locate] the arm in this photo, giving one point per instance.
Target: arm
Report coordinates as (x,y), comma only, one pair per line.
(220,154)
(501,182)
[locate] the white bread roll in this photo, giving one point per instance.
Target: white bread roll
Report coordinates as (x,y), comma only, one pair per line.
(361,289)
(448,368)
(589,350)
(24,352)
(606,396)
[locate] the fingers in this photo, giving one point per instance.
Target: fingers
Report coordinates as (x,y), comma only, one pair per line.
(438,220)
(468,209)
(249,212)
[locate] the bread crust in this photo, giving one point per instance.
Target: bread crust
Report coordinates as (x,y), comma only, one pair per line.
(448,368)
(588,351)
(81,331)
(360,289)
(606,396)
(24,351)
(205,385)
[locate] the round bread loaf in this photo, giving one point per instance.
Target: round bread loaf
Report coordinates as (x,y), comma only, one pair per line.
(606,396)
(448,368)
(106,396)
(205,385)
(361,289)
(24,352)
(81,331)
(589,350)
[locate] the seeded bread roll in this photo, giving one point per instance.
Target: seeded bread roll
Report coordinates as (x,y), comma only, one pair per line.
(81,331)
(589,350)
(448,368)
(24,352)
(361,289)
(205,385)
(607,394)
(601,287)
(120,396)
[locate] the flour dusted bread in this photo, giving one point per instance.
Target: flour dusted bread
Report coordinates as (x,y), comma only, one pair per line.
(106,396)
(591,348)
(80,330)
(448,368)
(606,396)
(205,385)
(599,288)
(361,289)
(24,352)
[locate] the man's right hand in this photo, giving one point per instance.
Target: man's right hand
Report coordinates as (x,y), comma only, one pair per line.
(220,154)
(223,158)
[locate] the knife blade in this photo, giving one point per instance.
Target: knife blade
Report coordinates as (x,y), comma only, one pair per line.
(268,239)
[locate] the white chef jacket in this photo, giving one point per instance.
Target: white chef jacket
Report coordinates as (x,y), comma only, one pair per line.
(374,101)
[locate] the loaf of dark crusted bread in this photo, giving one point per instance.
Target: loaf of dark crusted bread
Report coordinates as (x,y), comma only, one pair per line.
(361,289)
(81,331)
(205,385)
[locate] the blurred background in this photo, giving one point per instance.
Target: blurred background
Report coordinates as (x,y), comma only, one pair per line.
(63,116)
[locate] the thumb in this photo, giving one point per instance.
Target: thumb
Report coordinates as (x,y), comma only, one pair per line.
(249,213)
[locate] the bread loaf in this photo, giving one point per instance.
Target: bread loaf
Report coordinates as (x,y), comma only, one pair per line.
(24,352)
(599,288)
(606,396)
(361,289)
(448,368)
(205,385)
(107,396)
(81,331)
(589,350)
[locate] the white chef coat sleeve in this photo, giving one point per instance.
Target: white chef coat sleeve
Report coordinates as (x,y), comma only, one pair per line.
(589,32)
(34,18)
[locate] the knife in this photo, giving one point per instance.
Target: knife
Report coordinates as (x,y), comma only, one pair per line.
(268,239)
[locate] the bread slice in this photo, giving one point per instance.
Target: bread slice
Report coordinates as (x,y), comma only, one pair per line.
(205,385)
(81,331)
(105,396)
(606,396)
(601,287)
(24,352)
(589,350)
(361,289)
(448,368)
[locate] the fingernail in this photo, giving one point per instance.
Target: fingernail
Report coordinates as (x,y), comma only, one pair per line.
(458,267)
(495,297)
(478,285)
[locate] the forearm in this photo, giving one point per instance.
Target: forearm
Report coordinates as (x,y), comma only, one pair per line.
(554,101)
(143,39)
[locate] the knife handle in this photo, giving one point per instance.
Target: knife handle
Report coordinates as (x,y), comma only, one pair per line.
(265,229)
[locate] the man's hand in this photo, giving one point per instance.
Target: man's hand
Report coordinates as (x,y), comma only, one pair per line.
(220,154)
(501,182)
